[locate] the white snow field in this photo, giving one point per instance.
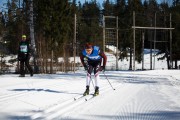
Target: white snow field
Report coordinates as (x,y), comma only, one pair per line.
(138,95)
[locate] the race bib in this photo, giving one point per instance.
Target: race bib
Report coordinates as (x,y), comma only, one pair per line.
(23,48)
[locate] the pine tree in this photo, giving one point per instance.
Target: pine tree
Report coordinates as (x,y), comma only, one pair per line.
(89,25)
(53,22)
(15,26)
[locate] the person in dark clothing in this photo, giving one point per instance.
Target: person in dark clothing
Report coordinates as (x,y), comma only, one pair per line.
(24,56)
(91,59)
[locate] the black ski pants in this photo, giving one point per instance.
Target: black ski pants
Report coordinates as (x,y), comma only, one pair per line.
(94,67)
(25,63)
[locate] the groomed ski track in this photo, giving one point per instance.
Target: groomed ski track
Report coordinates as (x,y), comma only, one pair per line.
(140,95)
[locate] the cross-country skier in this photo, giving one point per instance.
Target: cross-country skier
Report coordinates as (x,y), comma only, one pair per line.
(24,56)
(91,59)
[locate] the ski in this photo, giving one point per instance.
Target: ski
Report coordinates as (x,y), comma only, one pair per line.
(87,97)
(90,97)
(77,98)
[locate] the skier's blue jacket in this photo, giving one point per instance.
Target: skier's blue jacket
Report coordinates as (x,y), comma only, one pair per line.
(94,56)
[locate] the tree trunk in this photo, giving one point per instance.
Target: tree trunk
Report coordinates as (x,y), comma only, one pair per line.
(51,67)
(130,62)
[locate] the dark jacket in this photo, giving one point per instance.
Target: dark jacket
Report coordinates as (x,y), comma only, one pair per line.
(24,50)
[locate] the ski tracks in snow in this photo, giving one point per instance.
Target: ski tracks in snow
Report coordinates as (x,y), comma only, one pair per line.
(155,101)
(137,97)
(60,109)
(140,97)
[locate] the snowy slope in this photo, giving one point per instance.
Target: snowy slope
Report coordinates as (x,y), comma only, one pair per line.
(111,61)
(139,95)
(124,64)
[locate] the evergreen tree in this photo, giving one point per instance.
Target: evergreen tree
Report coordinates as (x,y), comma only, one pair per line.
(54,25)
(15,25)
(89,26)
(176,24)
(53,21)
(108,8)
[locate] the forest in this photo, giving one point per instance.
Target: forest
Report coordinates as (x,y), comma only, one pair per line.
(60,28)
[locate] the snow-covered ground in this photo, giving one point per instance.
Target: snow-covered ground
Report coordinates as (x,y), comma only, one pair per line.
(111,61)
(138,95)
(124,64)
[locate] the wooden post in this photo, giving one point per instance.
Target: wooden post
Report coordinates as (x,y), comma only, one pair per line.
(134,40)
(103,33)
(74,44)
(154,41)
(143,50)
(171,62)
(116,43)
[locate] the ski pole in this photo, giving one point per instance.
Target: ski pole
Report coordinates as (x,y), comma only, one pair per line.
(109,81)
(91,80)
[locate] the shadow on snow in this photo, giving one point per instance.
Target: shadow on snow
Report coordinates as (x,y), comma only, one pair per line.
(44,90)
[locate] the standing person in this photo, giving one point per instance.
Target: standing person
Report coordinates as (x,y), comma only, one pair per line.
(24,56)
(91,59)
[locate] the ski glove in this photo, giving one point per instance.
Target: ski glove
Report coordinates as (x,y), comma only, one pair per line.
(85,67)
(102,68)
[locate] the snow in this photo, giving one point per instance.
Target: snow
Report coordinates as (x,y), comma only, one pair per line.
(138,95)
(124,64)
(111,61)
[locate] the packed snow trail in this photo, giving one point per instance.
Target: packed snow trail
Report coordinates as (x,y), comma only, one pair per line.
(139,95)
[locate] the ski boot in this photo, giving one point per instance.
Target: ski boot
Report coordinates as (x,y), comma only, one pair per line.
(96,91)
(31,74)
(21,75)
(87,91)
